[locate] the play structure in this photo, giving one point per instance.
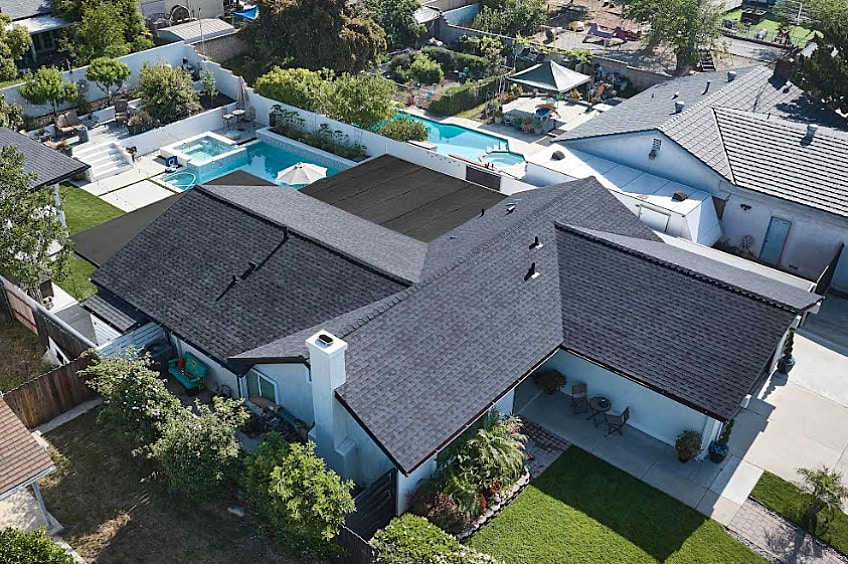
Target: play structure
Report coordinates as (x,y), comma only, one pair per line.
(596,31)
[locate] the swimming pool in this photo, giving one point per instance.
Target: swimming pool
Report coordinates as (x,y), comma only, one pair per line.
(259,158)
(503,158)
(458,140)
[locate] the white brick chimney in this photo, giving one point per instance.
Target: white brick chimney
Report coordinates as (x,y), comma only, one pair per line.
(327,365)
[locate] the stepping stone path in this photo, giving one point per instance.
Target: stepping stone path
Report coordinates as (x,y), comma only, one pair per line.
(778,540)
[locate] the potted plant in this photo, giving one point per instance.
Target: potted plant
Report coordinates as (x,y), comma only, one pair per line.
(688,445)
(498,114)
(787,361)
(550,380)
(139,123)
(527,125)
(718,449)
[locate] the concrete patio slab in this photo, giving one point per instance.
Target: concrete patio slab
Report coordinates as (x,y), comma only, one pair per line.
(137,195)
(821,365)
(829,327)
(736,480)
(20,511)
(674,484)
(718,507)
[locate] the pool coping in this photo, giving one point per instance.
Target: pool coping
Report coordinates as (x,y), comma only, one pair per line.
(184,158)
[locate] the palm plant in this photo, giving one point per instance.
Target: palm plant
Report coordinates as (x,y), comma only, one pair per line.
(824,489)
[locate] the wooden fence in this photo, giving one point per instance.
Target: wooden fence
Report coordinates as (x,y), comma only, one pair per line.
(356,549)
(40,400)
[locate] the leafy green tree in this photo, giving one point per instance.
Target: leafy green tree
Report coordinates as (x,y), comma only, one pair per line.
(46,87)
(102,28)
(825,72)
(14,43)
(167,93)
(209,85)
(404,129)
(825,492)
(411,539)
(298,87)
(327,34)
(135,399)
(682,25)
(317,501)
(11,115)
(18,547)
(511,17)
(199,454)
(29,226)
(425,70)
(108,74)
(365,101)
(397,18)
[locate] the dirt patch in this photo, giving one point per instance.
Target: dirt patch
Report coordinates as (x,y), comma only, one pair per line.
(21,352)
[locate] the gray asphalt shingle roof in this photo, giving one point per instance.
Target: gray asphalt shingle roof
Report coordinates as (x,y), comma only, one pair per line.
(22,9)
(780,160)
(114,311)
(180,272)
(48,166)
(754,90)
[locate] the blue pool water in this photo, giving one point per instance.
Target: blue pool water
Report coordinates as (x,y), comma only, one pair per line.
(504,158)
(204,149)
(457,140)
(260,159)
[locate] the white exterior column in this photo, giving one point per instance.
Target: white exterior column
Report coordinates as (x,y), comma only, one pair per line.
(327,365)
(57,201)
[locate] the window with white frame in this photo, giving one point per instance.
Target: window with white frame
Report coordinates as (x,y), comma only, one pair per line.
(260,386)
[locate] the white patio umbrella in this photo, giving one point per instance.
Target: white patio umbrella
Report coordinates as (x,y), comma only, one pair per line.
(301,173)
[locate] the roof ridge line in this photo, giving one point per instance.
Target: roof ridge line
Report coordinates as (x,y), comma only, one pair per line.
(312,240)
(586,234)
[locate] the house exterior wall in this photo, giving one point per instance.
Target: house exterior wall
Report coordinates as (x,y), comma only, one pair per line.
(294,388)
(505,404)
(103,332)
(216,374)
(406,485)
(650,412)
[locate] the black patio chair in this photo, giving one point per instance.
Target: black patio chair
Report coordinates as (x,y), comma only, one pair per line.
(579,401)
(616,423)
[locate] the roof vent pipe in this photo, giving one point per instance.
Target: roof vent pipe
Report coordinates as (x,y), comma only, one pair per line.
(510,208)
(678,106)
(811,131)
(731,75)
(531,272)
(707,87)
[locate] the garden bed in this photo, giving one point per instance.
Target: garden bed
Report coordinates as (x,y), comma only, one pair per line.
(500,502)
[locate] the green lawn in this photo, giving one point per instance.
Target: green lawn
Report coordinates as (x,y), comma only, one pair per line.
(787,499)
(582,510)
(84,210)
(799,35)
(113,511)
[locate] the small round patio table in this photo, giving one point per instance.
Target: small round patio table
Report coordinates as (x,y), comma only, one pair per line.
(599,406)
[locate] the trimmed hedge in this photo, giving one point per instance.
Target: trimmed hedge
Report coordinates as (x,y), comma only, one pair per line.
(410,539)
(478,67)
(458,98)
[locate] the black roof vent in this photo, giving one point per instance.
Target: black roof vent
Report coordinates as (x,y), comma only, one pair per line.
(536,244)
(482,212)
(679,196)
(285,233)
(510,208)
(707,87)
(531,272)
(558,155)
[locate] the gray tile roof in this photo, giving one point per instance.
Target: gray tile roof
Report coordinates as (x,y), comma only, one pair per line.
(114,311)
(780,160)
(180,272)
(22,9)
(48,166)
(683,335)
(695,129)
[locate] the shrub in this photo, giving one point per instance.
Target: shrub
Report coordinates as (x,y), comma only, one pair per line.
(302,502)
(134,398)
(478,67)
(688,444)
(825,492)
(425,70)
(365,101)
(404,129)
(17,547)
(301,88)
(438,508)
(458,98)
(412,540)
(334,142)
(199,454)
(167,93)
(46,87)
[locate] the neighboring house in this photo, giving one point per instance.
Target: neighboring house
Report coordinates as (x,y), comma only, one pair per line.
(47,166)
(44,28)
(778,186)
(390,306)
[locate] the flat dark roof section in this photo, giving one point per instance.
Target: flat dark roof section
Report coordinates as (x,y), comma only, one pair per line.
(240,178)
(101,242)
(405,197)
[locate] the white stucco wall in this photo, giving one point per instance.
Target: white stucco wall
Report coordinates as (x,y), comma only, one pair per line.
(215,373)
(294,388)
(650,412)
(408,484)
(505,404)
(672,161)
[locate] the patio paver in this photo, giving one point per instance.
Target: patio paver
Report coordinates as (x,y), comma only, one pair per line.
(137,195)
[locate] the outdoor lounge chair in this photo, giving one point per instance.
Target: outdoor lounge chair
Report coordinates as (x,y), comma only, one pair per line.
(616,422)
(69,123)
(579,401)
(122,111)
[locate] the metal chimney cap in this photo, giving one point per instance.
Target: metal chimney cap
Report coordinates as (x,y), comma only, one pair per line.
(678,106)
(731,75)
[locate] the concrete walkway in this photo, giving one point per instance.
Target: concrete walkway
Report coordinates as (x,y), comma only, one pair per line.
(779,540)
